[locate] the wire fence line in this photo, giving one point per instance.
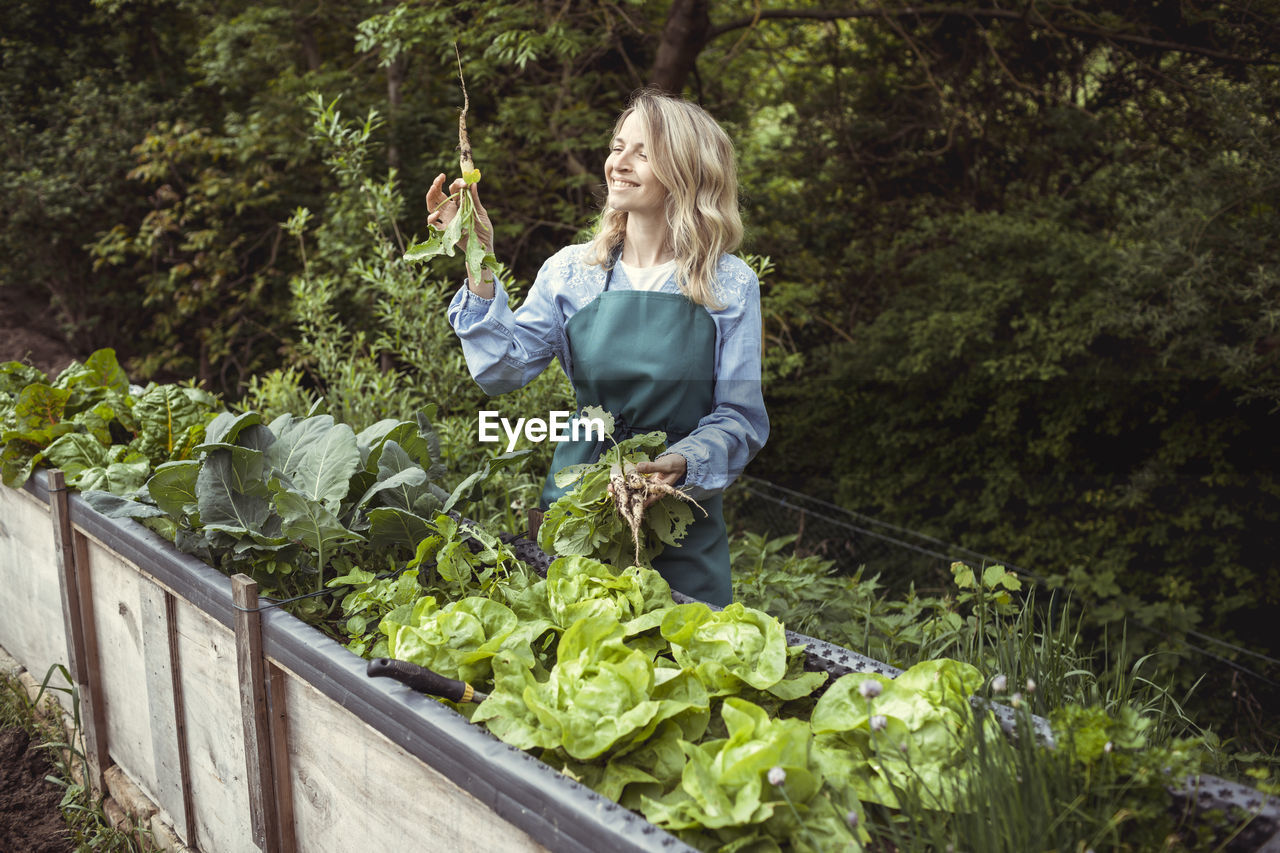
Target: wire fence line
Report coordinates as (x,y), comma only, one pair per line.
(852,539)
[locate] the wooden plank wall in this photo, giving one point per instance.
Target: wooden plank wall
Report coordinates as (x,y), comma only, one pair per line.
(31,624)
(132,624)
(126,627)
(215,735)
(172,717)
(353,789)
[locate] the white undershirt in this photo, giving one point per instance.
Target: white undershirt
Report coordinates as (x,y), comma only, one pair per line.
(648,278)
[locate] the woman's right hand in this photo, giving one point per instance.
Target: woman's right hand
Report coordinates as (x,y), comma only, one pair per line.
(442,208)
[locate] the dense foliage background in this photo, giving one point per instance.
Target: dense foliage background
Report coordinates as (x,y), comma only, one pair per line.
(1023,293)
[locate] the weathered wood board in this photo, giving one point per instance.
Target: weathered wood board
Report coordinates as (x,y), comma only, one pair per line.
(131,626)
(31,622)
(353,789)
(215,737)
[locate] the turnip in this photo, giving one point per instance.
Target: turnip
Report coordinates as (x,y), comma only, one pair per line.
(632,492)
(463,225)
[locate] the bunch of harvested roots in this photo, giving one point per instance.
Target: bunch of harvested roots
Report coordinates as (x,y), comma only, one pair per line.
(633,491)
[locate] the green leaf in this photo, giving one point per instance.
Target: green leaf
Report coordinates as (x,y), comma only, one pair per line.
(724,783)
(597,696)
(317,456)
(309,521)
(75,452)
(472,488)
(727,648)
(14,376)
(173,487)
(926,708)
(439,242)
(165,415)
(202,398)
(39,406)
(231,491)
(116,506)
(400,479)
(187,442)
(389,527)
(506,713)
(600,414)
(98,420)
(570,474)
(994,576)
(371,438)
(789,689)
(72,375)
(475,255)
(461,639)
(105,371)
(18,459)
(427,452)
(121,476)
(418,439)
(225,428)
(669,519)
(578,587)
(963,576)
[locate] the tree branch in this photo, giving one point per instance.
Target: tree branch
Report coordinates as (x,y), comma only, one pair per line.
(991,14)
(683,38)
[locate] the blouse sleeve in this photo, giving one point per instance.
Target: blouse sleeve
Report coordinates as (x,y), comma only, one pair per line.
(725,440)
(506,349)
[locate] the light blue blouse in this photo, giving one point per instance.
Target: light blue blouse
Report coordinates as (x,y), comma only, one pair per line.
(506,350)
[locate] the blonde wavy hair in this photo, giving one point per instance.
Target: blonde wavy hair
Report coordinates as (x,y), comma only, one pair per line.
(693,158)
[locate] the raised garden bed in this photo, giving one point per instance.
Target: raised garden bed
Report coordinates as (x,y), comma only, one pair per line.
(249,729)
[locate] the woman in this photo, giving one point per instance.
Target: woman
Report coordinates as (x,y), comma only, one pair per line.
(653,320)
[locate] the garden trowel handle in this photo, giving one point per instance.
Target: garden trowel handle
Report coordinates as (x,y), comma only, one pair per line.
(424,680)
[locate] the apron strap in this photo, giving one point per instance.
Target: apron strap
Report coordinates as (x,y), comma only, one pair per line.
(614,257)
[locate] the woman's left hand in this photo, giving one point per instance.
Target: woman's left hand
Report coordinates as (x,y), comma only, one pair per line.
(670,469)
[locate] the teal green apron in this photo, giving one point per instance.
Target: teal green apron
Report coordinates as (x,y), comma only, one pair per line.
(649,360)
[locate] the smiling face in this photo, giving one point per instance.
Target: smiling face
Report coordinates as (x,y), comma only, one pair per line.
(632,185)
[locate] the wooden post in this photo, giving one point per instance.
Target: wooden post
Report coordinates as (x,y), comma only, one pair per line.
(254,714)
(82,635)
(278,724)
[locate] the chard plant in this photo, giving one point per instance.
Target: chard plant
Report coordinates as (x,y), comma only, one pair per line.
(90,422)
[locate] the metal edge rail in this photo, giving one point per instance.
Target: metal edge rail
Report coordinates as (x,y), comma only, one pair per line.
(554,810)
(1210,793)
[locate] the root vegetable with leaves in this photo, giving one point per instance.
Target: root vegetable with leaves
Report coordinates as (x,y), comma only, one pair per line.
(616,506)
(459,217)
(634,491)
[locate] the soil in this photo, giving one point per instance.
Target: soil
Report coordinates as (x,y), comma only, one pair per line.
(30,820)
(28,333)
